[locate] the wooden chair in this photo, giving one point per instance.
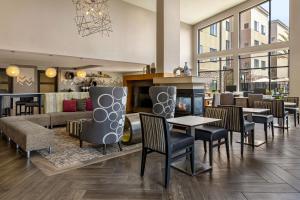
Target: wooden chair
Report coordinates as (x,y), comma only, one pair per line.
(156,137)
(293,110)
(214,131)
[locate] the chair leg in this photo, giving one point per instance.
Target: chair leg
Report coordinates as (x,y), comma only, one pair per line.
(295,119)
(80,143)
(210,153)
(287,123)
(120,147)
(219,145)
(231,134)
(167,170)
(283,122)
(253,139)
(272,128)
(298,117)
(192,160)
(104,149)
(227,148)
(242,143)
(143,163)
(266,131)
(204,145)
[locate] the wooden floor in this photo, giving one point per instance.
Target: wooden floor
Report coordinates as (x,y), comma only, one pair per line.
(272,171)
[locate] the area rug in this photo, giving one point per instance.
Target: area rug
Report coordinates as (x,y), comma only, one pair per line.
(66,154)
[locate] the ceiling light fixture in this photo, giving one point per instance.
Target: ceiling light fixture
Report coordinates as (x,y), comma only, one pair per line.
(13,71)
(81,73)
(51,72)
(92,16)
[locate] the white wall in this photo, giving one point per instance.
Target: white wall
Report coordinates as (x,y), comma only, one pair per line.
(47,26)
(186,44)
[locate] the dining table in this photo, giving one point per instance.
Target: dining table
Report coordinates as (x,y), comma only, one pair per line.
(190,123)
(248,112)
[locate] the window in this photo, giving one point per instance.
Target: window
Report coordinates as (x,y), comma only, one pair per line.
(280,15)
(227,26)
(256,43)
(256,25)
(246,25)
(256,63)
(263,30)
(263,64)
(219,71)
(257,19)
(271,76)
(227,44)
(214,30)
(200,49)
(207,40)
(213,50)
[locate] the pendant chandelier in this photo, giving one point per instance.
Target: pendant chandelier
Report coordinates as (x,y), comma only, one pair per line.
(92,16)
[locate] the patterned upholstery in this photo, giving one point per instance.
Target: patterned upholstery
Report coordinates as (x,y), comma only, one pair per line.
(226,99)
(278,108)
(164,100)
(154,129)
(235,119)
(252,98)
(241,102)
(108,115)
(217,113)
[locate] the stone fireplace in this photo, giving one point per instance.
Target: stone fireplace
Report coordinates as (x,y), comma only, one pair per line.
(190,94)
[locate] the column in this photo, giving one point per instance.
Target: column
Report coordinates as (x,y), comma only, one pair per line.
(167,35)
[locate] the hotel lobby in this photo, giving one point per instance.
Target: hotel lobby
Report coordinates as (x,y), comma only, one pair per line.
(149,99)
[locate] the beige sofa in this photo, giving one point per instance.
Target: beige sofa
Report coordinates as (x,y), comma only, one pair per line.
(61,118)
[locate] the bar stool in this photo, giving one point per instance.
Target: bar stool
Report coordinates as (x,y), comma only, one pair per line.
(29,107)
(21,103)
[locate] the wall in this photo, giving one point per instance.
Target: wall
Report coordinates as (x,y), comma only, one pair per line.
(48,27)
(186,44)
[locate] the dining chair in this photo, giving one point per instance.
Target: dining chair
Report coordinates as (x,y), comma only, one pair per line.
(279,112)
(156,137)
(254,97)
(226,99)
(266,119)
(293,109)
(215,131)
(237,123)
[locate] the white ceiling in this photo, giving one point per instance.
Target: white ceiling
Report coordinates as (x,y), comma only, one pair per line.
(45,60)
(192,11)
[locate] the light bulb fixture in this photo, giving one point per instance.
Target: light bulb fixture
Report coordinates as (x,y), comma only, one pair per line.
(81,73)
(13,71)
(51,72)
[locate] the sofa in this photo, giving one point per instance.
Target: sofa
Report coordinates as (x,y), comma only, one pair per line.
(61,118)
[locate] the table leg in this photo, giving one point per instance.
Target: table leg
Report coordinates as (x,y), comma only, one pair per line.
(184,165)
(40,103)
(1,98)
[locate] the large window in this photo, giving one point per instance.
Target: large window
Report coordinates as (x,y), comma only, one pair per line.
(269,71)
(280,20)
(258,20)
(216,74)
(217,36)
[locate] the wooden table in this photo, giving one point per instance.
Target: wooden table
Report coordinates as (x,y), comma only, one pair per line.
(250,111)
(190,122)
(18,95)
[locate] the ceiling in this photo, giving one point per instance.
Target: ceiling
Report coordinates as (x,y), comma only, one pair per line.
(192,11)
(45,60)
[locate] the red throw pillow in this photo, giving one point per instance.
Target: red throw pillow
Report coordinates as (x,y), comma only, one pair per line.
(89,104)
(69,105)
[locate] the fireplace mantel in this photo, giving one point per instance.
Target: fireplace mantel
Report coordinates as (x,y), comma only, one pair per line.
(189,82)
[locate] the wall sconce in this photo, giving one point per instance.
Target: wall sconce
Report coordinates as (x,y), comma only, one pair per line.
(51,72)
(81,73)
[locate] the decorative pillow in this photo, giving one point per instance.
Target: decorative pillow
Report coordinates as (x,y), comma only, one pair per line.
(80,104)
(69,105)
(89,104)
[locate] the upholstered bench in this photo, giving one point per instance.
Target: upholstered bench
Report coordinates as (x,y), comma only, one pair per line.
(61,118)
(41,119)
(29,136)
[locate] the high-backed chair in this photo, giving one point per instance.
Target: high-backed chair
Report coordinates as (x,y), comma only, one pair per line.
(215,131)
(237,123)
(227,99)
(109,107)
(156,137)
(294,110)
(279,112)
(254,97)
(164,100)
(21,103)
(266,118)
